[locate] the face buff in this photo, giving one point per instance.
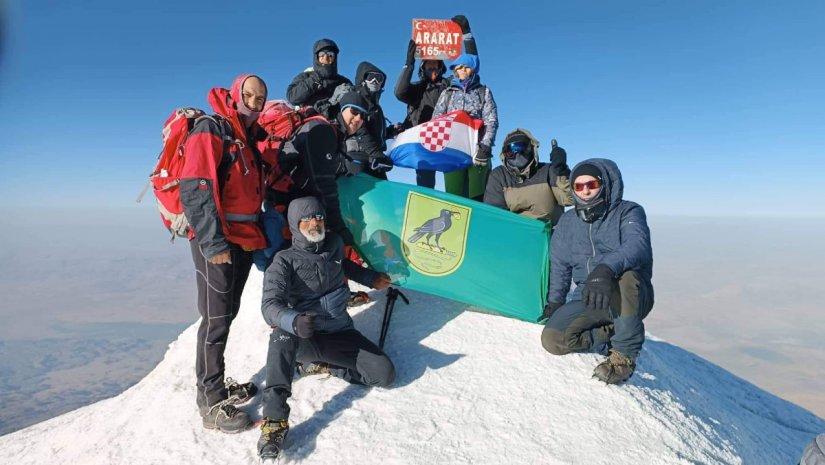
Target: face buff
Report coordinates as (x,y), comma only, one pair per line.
(520,161)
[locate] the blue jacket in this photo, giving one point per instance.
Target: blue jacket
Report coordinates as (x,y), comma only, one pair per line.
(620,240)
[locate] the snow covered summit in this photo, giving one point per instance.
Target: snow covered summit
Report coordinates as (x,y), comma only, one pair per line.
(471,388)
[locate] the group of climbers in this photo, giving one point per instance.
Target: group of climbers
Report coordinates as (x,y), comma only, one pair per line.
(239,175)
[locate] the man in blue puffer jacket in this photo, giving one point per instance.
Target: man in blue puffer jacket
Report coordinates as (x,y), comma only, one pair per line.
(305,301)
(603,246)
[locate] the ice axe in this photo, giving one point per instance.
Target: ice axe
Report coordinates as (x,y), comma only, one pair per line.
(392,296)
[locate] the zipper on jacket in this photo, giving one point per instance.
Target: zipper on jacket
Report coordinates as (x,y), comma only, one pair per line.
(593,247)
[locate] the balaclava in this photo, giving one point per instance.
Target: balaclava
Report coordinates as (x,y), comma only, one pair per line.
(595,208)
(248,116)
(521,160)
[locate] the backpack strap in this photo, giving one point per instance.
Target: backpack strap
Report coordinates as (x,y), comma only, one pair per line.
(227,137)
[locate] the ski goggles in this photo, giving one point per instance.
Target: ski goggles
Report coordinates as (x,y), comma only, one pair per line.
(514,148)
(326,53)
(317,217)
(592,185)
(374,78)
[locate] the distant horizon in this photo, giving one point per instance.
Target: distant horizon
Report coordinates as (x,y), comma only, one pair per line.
(148,205)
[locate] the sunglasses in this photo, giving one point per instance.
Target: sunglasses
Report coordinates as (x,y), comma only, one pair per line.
(356,112)
(514,148)
(326,53)
(592,185)
(374,78)
(317,217)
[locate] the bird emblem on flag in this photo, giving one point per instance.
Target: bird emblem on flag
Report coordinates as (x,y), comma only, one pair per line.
(434,234)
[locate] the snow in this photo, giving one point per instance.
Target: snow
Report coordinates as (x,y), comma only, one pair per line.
(472,387)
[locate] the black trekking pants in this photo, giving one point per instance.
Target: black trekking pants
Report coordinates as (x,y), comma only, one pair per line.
(219,298)
(351,356)
(575,328)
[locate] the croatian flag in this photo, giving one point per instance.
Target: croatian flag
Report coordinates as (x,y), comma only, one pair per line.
(446,143)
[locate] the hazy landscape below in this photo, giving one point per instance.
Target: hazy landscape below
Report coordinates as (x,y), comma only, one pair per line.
(90,302)
(89,308)
(746,295)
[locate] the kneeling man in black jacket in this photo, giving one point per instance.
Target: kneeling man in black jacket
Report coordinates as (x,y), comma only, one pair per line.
(305,301)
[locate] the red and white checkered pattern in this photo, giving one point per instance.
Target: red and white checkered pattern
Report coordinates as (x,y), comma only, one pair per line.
(435,135)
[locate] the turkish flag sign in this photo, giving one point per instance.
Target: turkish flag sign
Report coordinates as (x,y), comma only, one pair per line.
(436,39)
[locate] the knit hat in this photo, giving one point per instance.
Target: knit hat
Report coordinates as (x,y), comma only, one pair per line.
(586,169)
(354,99)
(468,60)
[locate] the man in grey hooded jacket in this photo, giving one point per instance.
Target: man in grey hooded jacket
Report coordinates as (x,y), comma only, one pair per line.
(305,301)
(603,245)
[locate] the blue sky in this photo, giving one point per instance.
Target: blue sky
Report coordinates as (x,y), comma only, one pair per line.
(708,107)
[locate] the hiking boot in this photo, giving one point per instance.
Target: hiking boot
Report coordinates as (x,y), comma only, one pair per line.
(617,369)
(227,418)
(238,393)
(358,298)
(313,368)
(271,442)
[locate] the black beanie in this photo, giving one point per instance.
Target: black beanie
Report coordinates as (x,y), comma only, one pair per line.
(353,98)
(586,169)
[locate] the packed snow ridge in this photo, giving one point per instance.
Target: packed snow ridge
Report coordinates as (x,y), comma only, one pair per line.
(472,387)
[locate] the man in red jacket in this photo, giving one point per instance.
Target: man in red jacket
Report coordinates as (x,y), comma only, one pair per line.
(221,191)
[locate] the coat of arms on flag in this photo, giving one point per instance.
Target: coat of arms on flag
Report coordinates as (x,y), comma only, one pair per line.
(446,143)
(435,135)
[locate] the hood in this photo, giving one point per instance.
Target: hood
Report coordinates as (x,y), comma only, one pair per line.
(533,141)
(612,177)
(442,68)
(366,67)
(361,72)
(300,208)
(470,61)
(321,45)
(247,115)
(224,102)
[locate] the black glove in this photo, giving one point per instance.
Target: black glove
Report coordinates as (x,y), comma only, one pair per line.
(411,53)
(381,164)
(304,325)
(558,156)
(461,20)
(549,309)
(483,155)
(598,287)
(317,81)
(392,131)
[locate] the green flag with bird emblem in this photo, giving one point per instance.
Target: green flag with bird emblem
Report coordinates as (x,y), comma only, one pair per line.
(449,246)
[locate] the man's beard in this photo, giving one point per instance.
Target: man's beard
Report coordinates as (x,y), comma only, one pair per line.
(314,235)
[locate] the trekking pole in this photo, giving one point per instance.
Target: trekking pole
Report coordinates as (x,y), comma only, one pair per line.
(392,295)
